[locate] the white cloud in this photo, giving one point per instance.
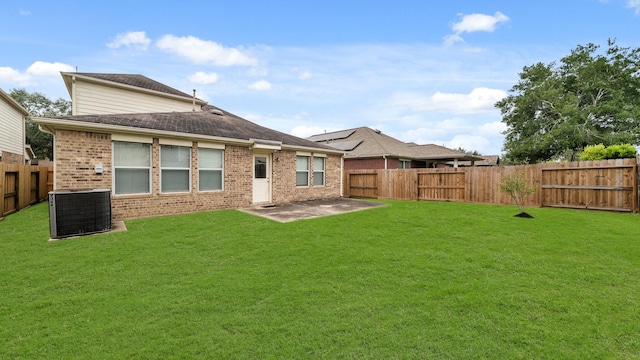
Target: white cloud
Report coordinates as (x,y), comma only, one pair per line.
(41,68)
(134,39)
(496,127)
(12,76)
(478,100)
(479,22)
(452,39)
(634,4)
(204,52)
(306,131)
(260,85)
(458,132)
(201,77)
(37,70)
(469,142)
(24,12)
(475,22)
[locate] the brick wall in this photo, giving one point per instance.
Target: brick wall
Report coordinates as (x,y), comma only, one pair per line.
(378,163)
(363,164)
(77,153)
(11,158)
(284,179)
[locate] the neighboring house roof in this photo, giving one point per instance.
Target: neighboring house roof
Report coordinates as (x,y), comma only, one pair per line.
(129,81)
(212,124)
(488,160)
(14,104)
(365,142)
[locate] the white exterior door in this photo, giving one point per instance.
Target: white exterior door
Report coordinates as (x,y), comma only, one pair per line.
(261,178)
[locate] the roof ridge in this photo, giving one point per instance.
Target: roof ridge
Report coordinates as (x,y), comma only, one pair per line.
(135,80)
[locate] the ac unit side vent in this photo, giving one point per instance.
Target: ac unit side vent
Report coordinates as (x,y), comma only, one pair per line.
(74,213)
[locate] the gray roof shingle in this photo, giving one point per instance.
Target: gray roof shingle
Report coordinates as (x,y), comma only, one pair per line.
(373,143)
(205,122)
(139,81)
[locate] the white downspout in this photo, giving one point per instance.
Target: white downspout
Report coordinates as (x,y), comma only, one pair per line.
(455,163)
(342,176)
(385,161)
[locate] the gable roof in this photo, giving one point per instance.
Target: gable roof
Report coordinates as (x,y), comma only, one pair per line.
(366,142)
(13,103)
(131,81)
(213,124)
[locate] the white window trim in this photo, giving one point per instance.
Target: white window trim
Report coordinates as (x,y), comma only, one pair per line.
(211,146)
(308,171)
(176,142)
(323,171)
(132,138)
(113,161)
(176,168)
(205,169)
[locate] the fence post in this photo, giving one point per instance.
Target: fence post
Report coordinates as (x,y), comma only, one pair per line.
(2,189)
(637,191)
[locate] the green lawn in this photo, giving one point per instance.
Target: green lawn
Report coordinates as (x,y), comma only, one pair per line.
(409,280)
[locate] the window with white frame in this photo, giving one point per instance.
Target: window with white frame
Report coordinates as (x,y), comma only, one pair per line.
(405,164)
(210,169)
(132,168)
(175,168)
(302,170)
(318,171)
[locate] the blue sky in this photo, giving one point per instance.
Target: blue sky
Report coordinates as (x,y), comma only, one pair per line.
(420,71)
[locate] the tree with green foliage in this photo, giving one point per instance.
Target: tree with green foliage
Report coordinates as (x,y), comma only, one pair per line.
(39,105)
(590,97)
(515,185)
(470,152)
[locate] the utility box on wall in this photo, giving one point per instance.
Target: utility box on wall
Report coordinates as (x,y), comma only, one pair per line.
(79,212)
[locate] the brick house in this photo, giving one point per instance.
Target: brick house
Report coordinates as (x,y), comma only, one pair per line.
(186,156)
(366,148)
(12,136)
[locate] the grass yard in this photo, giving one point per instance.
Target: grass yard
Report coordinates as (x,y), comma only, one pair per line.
(409,280)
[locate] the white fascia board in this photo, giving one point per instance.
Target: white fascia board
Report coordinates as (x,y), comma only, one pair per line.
(312,150)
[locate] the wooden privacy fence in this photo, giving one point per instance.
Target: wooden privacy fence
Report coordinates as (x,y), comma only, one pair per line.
(602,185)
(23,185)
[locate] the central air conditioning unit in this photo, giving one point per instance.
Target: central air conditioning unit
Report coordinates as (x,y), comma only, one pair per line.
(79,212)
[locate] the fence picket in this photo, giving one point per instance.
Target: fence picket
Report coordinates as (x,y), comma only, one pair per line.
(23,185)
(606,184)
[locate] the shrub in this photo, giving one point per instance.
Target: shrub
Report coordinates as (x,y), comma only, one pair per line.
(515,185)
(593,152)
(599,152)
(620,151)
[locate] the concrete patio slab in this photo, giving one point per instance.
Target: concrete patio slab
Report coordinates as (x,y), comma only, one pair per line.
(310,209)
